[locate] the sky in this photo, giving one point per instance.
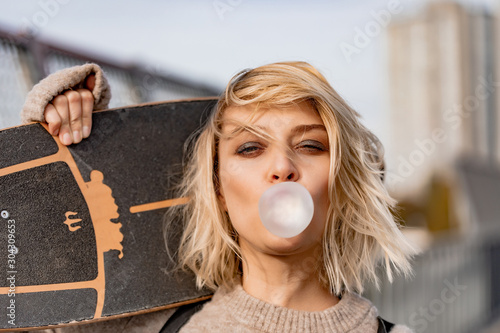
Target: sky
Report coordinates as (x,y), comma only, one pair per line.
(211,40)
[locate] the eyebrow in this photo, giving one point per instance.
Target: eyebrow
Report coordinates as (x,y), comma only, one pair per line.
(296,130)
(307,128)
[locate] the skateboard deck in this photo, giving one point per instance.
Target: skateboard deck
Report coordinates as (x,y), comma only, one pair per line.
(81,227)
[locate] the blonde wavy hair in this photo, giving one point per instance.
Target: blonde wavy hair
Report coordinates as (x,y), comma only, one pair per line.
(360,229)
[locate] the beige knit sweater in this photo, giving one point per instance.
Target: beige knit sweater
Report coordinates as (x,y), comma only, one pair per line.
(233,310)
(236,311)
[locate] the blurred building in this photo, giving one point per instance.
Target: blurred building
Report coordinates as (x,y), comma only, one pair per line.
(443,103)
(443,165)
(444,109)
(24,61)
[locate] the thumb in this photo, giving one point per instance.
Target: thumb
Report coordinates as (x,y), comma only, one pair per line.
(90,82)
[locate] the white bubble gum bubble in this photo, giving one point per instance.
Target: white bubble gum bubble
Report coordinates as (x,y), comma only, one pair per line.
(286,209)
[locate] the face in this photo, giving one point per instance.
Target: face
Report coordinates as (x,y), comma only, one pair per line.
(297,151)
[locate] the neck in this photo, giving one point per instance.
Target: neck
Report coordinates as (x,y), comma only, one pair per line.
(290,281)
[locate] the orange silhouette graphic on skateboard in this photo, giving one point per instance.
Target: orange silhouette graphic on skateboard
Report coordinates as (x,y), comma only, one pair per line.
(103,209)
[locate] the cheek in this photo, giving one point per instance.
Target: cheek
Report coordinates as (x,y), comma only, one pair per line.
(234,186)
(229,172)
(240,196)
(322,203)
(319,191)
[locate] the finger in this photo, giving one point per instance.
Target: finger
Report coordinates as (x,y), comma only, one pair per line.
(61,105)
(87,107)
(90,82)
(75,114)
(52,118)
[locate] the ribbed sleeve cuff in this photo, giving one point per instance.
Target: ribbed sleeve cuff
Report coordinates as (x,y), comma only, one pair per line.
(54,84)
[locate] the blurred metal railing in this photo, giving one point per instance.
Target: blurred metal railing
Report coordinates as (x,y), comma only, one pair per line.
(455,288)
(24,61)
(15,81)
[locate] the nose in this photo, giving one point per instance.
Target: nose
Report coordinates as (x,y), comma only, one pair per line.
(282,168)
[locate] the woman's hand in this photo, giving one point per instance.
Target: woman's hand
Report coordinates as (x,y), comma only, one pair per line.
(69,115)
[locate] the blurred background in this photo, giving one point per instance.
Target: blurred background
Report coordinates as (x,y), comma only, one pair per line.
(425,76)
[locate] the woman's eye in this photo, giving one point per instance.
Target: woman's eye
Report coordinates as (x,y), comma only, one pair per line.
(311,146)
(249,149)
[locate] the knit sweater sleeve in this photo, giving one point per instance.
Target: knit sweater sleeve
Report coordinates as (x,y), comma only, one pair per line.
(54,84)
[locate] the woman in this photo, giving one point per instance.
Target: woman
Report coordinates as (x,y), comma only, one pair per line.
(277,123)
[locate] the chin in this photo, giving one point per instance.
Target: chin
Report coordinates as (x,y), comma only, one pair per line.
(303,242)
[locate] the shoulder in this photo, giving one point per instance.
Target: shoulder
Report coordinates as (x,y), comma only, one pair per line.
(385,326)
(213,317)
(401,329)
(373,313)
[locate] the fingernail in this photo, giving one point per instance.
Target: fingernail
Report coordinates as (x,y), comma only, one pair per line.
(86,131)
(77,136)
(66,140)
